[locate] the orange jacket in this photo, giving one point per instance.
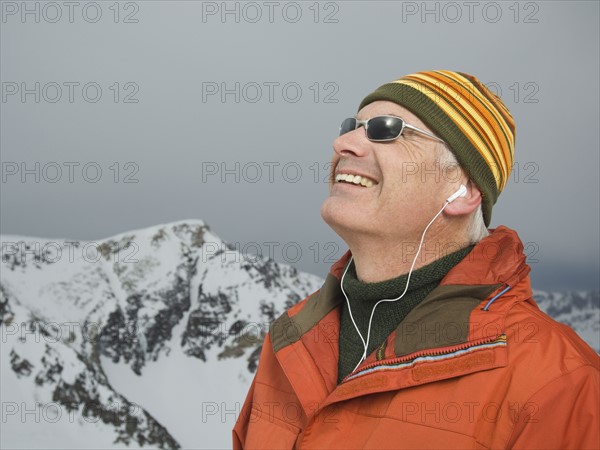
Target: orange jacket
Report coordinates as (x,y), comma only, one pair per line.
(475,365)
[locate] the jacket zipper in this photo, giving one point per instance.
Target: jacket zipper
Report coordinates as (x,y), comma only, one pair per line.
(423,353)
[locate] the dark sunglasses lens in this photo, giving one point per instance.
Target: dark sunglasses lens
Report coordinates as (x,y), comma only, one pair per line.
(348,125)
(384,128)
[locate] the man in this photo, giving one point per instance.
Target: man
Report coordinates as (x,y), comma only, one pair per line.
(424,334)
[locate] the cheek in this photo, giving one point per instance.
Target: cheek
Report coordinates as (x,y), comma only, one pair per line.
(399,200)
(392,202)
(398,187)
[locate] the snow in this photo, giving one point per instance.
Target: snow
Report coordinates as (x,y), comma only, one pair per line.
(31,419)
(197,402)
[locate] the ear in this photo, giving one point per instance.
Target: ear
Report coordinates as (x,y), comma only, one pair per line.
(463,206)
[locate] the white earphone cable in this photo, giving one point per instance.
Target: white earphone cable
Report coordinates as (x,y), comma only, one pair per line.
(366,343)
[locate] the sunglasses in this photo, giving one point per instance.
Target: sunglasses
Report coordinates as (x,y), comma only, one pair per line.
(382,128)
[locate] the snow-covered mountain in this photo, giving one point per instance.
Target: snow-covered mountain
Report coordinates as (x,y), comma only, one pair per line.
(150,338)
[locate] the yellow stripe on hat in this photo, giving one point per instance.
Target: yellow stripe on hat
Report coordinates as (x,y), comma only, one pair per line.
(490,104)
(456,110)
(505,121)
(477,125)
(471,91)
(498,117)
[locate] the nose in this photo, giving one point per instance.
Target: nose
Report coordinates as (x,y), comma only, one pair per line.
(353,143)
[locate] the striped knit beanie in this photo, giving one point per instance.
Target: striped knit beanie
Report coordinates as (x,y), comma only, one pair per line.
(469,117)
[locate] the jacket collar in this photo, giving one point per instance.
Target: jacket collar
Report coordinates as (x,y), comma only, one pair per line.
(496,259)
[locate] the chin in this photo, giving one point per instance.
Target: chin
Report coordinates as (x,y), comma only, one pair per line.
(343,219)
(328,213)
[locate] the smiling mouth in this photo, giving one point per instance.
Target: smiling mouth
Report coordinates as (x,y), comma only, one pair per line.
(357,180)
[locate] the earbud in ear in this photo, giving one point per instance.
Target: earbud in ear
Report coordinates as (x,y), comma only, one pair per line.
(462,192)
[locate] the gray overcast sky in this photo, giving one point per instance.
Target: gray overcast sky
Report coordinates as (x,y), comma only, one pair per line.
(226,112)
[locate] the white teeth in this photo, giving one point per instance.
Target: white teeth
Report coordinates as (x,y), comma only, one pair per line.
(355,179)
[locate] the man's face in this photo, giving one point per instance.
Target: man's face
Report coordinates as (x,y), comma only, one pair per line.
(405,187)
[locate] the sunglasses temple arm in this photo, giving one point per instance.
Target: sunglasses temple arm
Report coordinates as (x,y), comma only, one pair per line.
(426,133)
